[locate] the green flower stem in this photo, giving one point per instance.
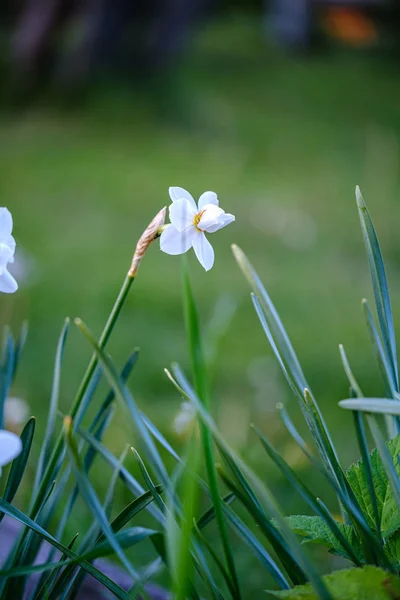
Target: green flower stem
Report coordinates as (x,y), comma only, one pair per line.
(105,336)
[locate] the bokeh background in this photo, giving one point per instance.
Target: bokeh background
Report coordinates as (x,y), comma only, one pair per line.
(281,108)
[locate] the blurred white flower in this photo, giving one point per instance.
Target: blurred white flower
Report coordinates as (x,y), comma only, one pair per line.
(25,268)
(10,447)
(185,419)
(190,222)
(8,285)
(16,412)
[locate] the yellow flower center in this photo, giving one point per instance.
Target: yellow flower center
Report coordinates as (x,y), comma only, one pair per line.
(197,218)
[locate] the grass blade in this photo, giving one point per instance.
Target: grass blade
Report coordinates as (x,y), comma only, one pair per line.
(149,482)
(263,519)
(125,397)
(20,346)
(48,581)
(216,559)
(51,419)
(295,481)
(274,321)
(180,536)
(307,403)
(58,450)
(372,405)
(13,512)
(201,386)
(160,438)
(380,286)
(132,484)
(370,544)
(209,515)
(268,502)
(92,501)
(19,464)
(257,548)
(126,539)
(7,369)
(133,508)
(385,367)
(349,373)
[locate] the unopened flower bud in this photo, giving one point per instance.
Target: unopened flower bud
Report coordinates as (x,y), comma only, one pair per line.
(152,231)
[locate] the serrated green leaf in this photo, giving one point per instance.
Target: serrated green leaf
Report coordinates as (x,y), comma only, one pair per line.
(315,529)
(392,549)
(371,544)
(387,507)
(368,583)
(314,503)
(363,445)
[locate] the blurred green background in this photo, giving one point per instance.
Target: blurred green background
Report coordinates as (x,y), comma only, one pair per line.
(283,139)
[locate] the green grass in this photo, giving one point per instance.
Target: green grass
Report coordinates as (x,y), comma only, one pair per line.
(272,135)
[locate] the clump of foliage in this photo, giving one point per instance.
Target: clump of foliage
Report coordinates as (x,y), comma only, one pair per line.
(368,493)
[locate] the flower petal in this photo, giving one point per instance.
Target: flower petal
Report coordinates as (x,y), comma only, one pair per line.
(10,242)
(214,218)
(8,285)
(176,193)
(227,218)
(173,241)
(6,222)
(208,198)
(6,256)
(203,250)
(10,446)
(211,216)
(181,214)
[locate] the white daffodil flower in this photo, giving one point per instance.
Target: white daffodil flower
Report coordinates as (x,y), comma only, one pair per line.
(8,285)
(190,223)
(10,447)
